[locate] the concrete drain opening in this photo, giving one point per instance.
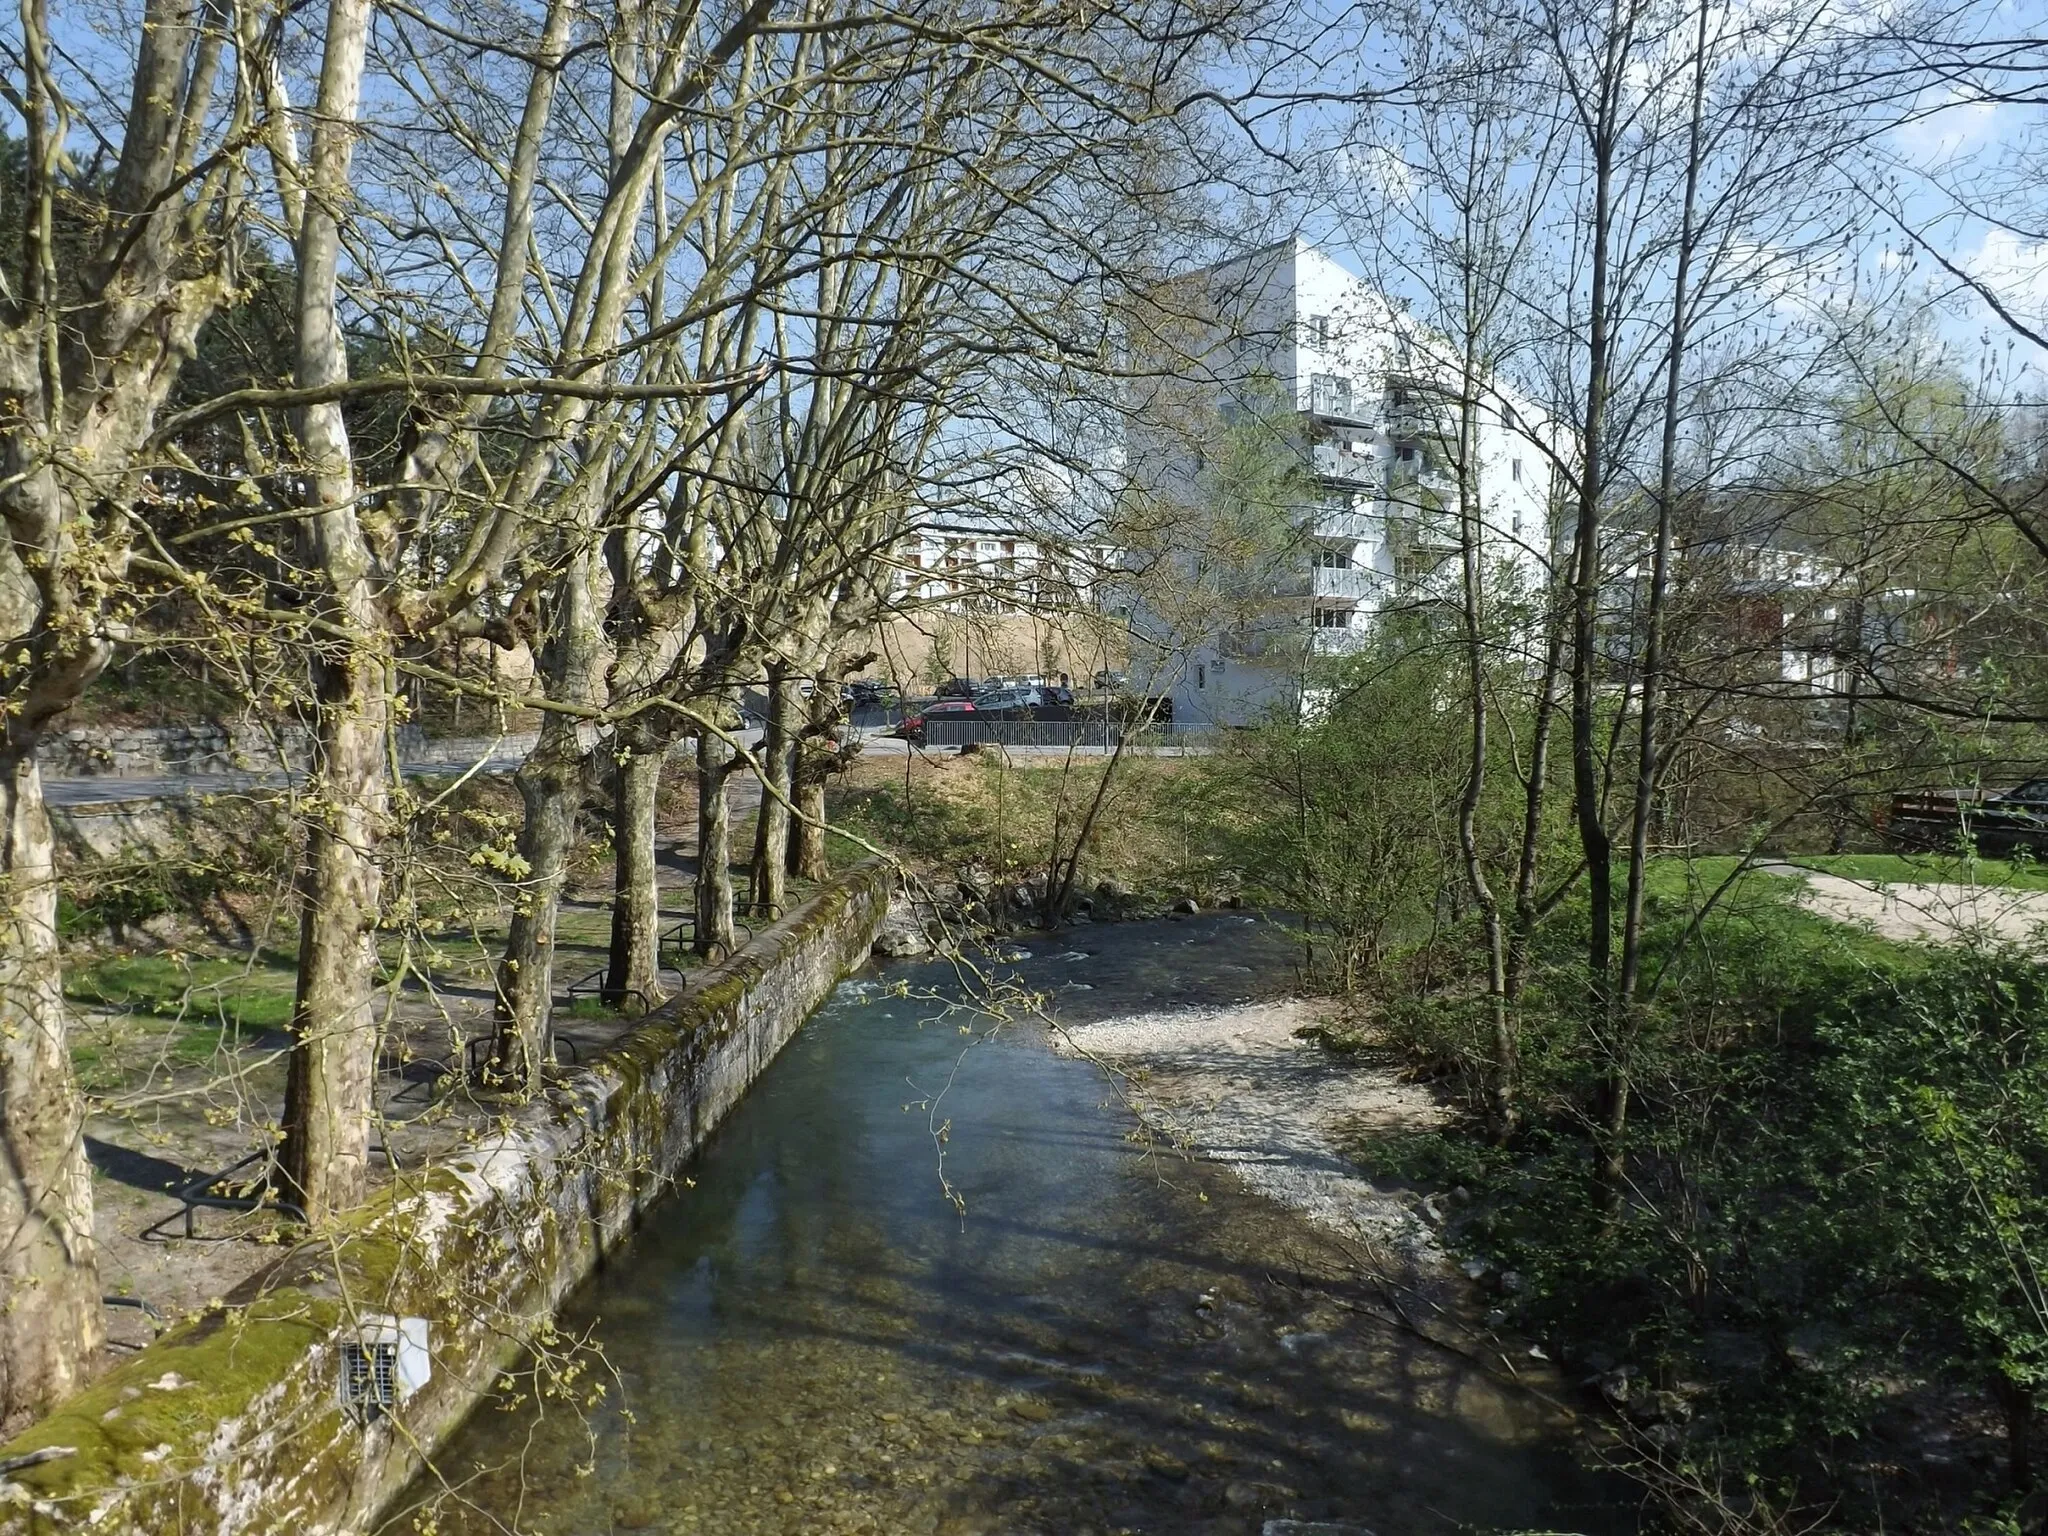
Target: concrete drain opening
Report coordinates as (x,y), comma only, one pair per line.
(383,1365)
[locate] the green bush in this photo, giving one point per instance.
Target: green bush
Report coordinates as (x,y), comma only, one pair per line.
(1836,1190)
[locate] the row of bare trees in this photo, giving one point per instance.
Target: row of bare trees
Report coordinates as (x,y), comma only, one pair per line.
(639,334)
(1646,227)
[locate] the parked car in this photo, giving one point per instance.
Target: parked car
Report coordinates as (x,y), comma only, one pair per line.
(1007,703)
(912,728)
(959,688)
(1110,682)
(869,693)
(1999,824)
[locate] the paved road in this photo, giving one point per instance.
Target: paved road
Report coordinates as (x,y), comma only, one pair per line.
(111,789)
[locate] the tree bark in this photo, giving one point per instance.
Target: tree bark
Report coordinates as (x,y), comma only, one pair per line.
(1623,1029)
(1535,796)
(766,889)
(1501,1101)
(324,1160)
(551,785)
(812,765)
(550,789)
(715,933)
(633,975)
(50,1318)
(808,859)
(2016,1405)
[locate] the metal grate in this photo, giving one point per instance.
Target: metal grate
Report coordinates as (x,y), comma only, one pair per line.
(369,1377)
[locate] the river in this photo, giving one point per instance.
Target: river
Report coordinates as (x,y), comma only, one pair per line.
(925,1279)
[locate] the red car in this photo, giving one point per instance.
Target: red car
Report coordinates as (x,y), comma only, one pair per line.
(912,728)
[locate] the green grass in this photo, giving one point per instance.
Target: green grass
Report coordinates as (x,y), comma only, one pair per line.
(171,1008)
(1671,876)
(1757,900)
(209,994)
(1932,868)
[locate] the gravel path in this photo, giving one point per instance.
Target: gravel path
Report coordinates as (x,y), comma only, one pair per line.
(1930,913)
(1239,1086)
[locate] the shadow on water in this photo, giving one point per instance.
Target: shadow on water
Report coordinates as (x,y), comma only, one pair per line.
(1107,1338)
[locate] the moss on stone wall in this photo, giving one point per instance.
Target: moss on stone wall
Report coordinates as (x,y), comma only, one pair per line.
(230,1424)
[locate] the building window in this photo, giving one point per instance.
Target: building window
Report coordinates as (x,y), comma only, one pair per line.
(1201,675)
(1515,470)
(1330,394)
(1333,618)
(1332,559)
(1319,330)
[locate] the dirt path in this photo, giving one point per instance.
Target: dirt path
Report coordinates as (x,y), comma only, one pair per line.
(1930,913)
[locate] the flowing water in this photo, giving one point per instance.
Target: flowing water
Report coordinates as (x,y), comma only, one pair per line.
(1098,1337)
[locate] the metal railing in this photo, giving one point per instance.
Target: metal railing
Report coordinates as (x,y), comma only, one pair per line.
(674,949)
(1331,462)
(1097,735)
(1348,581)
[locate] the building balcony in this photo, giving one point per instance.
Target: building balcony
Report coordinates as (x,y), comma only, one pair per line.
(1343,523)
(1342,583)
(1421,418)
(1343,467)
(1356,414)
(1353,582)
(1412,476)
(1336,642)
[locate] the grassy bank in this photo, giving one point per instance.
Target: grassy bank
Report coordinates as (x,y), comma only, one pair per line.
(1012,815)
(1800,1276)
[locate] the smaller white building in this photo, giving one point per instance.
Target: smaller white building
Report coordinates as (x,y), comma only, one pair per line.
(986,566)
(1371,405)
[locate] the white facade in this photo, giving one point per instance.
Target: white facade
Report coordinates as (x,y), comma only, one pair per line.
(983,566)
(1375,421)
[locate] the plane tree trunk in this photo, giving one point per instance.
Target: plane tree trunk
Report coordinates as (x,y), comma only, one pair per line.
(50,1323)
(715,931)
(324,1158)
(323,1162)
(766,884)
(633,974)
(815,759)
(551,783)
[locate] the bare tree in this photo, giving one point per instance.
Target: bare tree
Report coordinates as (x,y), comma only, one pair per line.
(110,282)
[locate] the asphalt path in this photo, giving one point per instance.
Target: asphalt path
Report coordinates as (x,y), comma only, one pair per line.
(113,789)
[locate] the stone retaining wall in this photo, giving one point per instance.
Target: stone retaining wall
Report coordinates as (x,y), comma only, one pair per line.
(231,1425)
(161,751)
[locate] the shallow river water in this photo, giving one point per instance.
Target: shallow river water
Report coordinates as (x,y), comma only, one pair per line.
(812,1337)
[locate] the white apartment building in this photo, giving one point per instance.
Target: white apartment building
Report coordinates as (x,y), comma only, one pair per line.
(986,565)
(1374,422)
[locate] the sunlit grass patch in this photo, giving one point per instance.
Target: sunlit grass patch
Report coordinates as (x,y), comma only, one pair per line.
(248,995)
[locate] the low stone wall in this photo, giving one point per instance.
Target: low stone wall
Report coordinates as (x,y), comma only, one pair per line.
(231,1425)
(168,751)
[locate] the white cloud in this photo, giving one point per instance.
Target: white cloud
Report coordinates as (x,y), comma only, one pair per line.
(2013,268)
(1949,123)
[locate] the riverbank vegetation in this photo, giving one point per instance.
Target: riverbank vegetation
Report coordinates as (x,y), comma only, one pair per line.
(1800,1269)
